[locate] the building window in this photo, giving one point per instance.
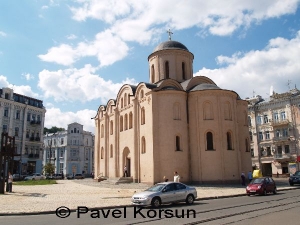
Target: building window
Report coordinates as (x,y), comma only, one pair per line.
(249,121)
(286,149)
(251,136)
(252,152)
(167,69)
(125,99)
(247,144)
(266,120)
(126,122)
(269,151)
(259,119)
(121,123)
(285,132)
(282,114)
(130,120)
(62,141)
(229,141)
(6,111)
(27,133)
(209,141)
(152,74)
(102,153)
(121,102)
(18,115)
(178,143)
(276,117)
(128,99)
(4,128)
(111,127)
(260,136)
(102,130)
(143,150)
(142,94)
(38,119)
(28,116)
(267,135)
(277,133)
(62,153)
(183,70)
(143,116)
(111,151)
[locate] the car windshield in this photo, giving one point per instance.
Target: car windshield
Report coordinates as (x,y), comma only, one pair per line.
(257,181)
(297,173)
(156,187)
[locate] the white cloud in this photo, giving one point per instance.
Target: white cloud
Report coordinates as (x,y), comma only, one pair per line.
(78,85)
(71,37)
(28,76)
(106,47)
(258,70)
(2,34)
(55,117)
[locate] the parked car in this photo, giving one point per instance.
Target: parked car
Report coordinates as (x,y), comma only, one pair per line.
(262,186)
(295,179)
(79,176)
(18,177)
(166,192)
(35,176)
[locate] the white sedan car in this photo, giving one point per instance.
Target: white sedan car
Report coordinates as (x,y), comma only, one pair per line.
(166,192)
(35,176)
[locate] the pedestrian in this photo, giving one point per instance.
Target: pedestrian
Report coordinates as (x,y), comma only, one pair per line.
(243,179)
(125,171)
(10,180)
(165,179)
(250,177)
(176,177)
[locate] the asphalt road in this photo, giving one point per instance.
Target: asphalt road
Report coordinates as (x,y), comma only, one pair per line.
(282,208)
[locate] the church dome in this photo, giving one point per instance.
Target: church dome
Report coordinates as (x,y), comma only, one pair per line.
(170,45)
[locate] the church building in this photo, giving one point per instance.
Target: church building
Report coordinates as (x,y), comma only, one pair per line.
(174,122)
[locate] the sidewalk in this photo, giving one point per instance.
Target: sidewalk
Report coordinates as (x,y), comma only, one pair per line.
(73,193)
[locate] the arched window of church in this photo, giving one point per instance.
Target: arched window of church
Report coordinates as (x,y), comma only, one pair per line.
(143,116)
(126,122)
(152,74)
(247,145)
(208,111)
(167,69)
(177,143)
(125,99)
(229,141)
(142,94)
(176,111)
(130,120)
(121,102)
(128,100)
(227,111)
(102,130)
(209,141)
(111,127)
(183,70)
(121,123)
(111,151)
(102,153)
(143,150)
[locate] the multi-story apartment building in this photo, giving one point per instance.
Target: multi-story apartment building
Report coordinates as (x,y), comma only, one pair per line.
(71,151)
(274,126)
(23,117)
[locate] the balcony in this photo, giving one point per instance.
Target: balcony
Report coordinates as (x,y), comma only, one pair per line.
(282,157)
(280,139)
(277,123)
(35,122)
(34,156)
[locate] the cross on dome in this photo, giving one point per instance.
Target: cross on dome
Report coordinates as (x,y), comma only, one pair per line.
(170,33)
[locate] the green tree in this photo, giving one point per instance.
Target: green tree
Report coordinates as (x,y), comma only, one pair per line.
(49,169)
(53,130)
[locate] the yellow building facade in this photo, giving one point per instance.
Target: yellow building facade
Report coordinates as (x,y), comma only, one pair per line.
(176,122)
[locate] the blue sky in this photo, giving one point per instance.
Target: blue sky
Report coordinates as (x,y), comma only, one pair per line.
(75,55)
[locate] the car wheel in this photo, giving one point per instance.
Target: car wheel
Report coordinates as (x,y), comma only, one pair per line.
(275,191)
(189,199)
(155,202)
(292,184)
(248,194)
(265,192)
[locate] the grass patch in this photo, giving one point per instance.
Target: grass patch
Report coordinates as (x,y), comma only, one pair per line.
(35,182)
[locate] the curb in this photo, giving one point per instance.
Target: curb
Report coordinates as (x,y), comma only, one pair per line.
(127,206)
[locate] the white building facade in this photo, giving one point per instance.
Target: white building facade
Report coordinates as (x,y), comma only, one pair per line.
(23,117)
(274,127)
(71,151)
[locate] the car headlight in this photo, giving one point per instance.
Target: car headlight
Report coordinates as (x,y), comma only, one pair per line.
(247,188)
(259,187)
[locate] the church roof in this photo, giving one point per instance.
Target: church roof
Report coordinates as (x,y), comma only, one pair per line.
(205,86)
(170,45)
